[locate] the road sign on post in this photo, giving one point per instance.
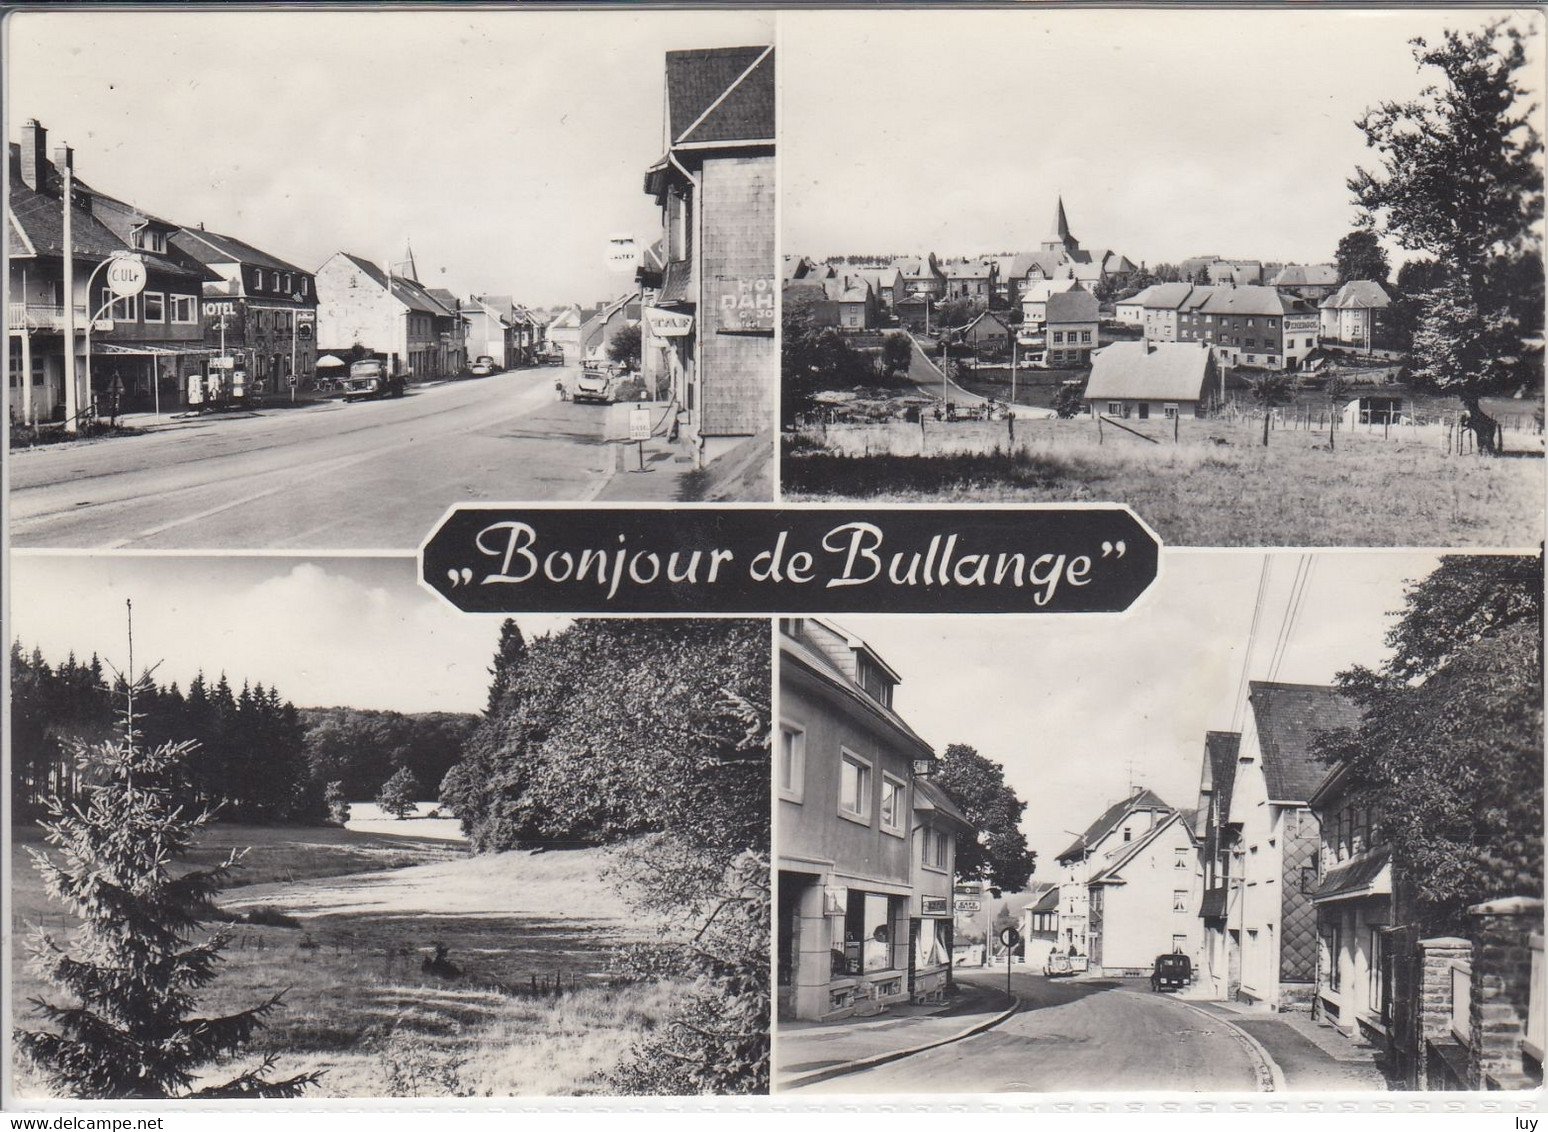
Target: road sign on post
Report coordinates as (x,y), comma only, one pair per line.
(1010,937)
(639,431)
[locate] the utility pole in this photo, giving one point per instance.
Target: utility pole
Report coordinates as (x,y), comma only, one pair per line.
(72,395)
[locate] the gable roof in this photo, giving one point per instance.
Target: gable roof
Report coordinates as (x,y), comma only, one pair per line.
(1164,371)
(407,291)
(807,655)
(1109,873)
(1074,305)
(1163,296)
(969,269)
(1250,300)
(1288,718)
(1048,902)
(1307,275)
(216,247)
(930,797)
(1357,294)
(719,95)
(1039,290)
(1145,799)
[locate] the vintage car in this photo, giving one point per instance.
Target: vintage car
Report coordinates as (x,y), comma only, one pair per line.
(1171,972)
(483,366)
(595,383)
(369,378)
(1058,965)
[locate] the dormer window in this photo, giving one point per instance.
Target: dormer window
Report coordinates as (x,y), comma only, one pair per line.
(870,677)
(147,240)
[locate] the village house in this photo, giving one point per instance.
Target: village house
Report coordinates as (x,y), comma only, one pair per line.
(1220,886)
(1119,826)
(390,316)
(1061,257)
(1279,839)
(489,329)
(866,846)
(1152,379)
(1157,308)
(1040,927)
(259,313)
(843,300)
(1350,317)
(1353,899)
(1314,282)
(973,279)
(922,277)
(916,314)
(1251,326)
(1034,302)
(1072,318)
(886,284)
(709,336)
(987,334)
(598,331)
(1144,899)
(563,332)
(140,352)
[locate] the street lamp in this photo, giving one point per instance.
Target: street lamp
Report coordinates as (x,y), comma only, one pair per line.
(125,283)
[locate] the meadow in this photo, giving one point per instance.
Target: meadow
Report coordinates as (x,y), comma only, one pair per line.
(1217,485)
(526,1003)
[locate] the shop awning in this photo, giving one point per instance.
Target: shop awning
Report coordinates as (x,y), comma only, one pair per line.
(149,351)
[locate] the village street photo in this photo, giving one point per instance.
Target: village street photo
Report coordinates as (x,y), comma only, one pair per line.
(514,256)
(1276,829)
(1308,312)
(284,828)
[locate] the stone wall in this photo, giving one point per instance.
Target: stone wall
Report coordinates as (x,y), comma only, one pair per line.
(1501,931)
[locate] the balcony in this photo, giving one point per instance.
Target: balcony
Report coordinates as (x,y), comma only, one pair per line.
(40,316)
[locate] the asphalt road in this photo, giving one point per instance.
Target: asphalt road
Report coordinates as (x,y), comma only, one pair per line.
(1074,1036)
(368,475)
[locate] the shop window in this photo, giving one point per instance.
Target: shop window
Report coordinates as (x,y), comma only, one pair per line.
(894,792)
(933,947)
(792,762)
(867,933)
(855,787)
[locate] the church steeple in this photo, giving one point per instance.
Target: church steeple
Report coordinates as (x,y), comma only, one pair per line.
(1060,238)
(404,268)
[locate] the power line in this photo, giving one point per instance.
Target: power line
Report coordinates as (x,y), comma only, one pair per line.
(1252,635)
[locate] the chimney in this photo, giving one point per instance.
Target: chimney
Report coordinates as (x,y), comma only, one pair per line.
(64,158)
(34,150)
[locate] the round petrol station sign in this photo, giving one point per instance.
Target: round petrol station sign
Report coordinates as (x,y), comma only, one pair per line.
(126,276)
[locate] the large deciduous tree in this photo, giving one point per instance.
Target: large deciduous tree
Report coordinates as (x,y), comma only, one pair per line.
(1460,180)
(997,853)
(1361,256)
(1449,755)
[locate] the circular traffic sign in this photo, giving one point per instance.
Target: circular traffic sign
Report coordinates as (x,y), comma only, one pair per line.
(1010,937)
(126,275)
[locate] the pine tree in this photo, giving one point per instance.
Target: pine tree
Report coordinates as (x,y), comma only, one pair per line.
(507,659)
(133,966)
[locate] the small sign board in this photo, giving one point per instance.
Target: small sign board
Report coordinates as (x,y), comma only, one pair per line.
(933,905)
(835,899)
(965,907)
(639,424)
(1010,937)
(622,254)
(126,275)
(226,362)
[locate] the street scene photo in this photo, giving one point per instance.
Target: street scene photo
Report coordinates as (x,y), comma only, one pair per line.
(1276,829)
(499,256)
(1311,315)
(336,839)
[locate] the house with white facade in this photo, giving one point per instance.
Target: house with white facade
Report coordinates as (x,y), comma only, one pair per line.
(1349,316)
(1099,846)
(1144,900)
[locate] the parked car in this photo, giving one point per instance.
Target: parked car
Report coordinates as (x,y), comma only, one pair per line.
(1171,972)
(594,384)
(483,366)
(1058,965)
(370,379)
(552,356)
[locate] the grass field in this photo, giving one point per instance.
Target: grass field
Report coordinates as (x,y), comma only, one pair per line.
(1369,491)
(532,1008)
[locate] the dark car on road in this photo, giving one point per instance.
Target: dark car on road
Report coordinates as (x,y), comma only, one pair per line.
(1171,972)
(370,379)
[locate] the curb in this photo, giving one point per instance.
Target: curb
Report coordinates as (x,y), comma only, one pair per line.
(847,1067)
(1271,1079)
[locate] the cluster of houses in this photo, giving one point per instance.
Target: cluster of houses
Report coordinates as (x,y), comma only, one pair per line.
(221,320)
(907,291)
(1282,893)
(217,317)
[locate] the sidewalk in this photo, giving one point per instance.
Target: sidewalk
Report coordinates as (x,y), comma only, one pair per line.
(665,463)
(1311,1056)
(808,1052)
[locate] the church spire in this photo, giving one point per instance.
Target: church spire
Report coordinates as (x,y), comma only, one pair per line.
(405,266)
(1061,228)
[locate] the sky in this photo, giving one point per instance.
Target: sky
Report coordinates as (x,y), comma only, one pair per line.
(1073,705)
(505,147)
(1169,133)
(351,632)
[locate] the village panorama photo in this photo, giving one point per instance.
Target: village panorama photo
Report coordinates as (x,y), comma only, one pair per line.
(1278,829)
(1307,311)
(366,846)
